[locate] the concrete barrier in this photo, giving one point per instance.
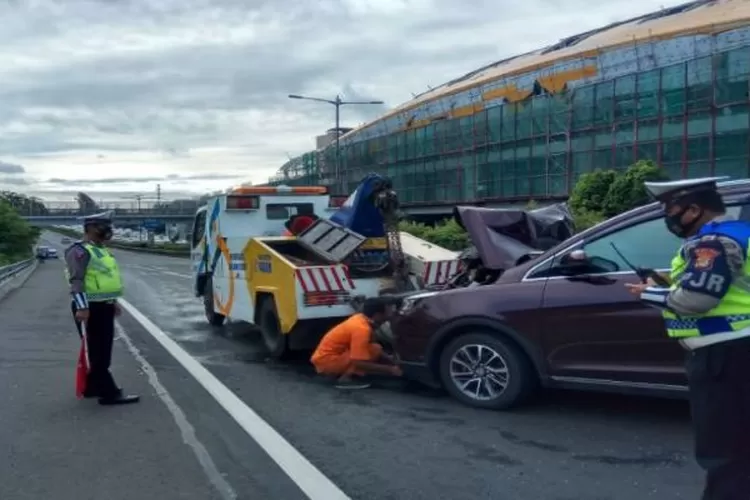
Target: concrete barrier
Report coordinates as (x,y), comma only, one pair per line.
(12,277)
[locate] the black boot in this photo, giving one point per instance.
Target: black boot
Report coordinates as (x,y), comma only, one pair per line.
(119,398)
(89,394)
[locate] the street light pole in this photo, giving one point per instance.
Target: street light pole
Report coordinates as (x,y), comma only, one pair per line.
(337,102)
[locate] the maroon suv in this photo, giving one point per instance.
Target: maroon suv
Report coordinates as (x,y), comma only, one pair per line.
(559,319)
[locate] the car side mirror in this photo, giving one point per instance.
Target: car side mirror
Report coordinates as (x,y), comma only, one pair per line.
(577,262)
(575,259)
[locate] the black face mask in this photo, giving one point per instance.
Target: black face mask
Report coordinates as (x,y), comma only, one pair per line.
(679,228)
(103,232)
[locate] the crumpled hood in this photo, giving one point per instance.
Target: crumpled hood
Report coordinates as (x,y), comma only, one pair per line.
(502,236)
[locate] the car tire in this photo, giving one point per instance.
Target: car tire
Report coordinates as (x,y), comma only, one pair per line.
(213,318)
(500,357)
(270,329)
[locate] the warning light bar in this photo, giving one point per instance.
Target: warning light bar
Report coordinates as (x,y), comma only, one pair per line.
(243,203)
(279,190)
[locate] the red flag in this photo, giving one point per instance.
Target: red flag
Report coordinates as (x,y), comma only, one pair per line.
(82,370)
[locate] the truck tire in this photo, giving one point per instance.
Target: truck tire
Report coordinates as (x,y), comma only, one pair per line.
(268,321)
(501,378)
(213,318)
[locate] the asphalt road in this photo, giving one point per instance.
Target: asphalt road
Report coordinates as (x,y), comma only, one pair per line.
(384,443)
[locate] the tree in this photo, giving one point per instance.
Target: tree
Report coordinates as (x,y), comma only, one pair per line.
(627,191)
(602,194)
(16,236)
(590,192)
(24,205)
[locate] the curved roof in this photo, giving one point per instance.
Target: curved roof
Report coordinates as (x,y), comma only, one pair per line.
(697,17)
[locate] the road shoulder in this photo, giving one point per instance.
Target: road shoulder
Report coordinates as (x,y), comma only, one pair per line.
(63,448)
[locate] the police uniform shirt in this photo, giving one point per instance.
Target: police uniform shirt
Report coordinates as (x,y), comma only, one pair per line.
(713,263)
(77,260)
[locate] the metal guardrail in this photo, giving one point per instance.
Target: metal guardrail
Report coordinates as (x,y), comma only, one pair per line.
(7,272)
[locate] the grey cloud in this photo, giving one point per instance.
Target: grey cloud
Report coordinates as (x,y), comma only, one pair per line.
(11,168)
(122,197)
(13,181)
(171,77)
(138,180)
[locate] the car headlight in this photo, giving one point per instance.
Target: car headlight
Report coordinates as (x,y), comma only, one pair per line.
(408,304)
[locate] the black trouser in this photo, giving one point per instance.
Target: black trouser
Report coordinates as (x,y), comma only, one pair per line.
(100,335)
(719,379)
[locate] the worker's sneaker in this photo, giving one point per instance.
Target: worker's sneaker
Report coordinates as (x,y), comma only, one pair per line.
(351,384)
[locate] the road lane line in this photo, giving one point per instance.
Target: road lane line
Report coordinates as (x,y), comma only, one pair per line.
(306,476)
(156,269)
(172,273)
(186,428)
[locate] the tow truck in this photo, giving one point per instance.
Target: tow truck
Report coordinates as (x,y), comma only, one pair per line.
(296,287)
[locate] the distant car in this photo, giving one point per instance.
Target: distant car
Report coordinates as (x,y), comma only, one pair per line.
(562,318)
(66,241)
(42,252)
(52,253)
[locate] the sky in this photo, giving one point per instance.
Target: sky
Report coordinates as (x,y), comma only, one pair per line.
(113,97)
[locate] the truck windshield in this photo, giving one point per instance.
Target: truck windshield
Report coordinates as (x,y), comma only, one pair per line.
(283,211)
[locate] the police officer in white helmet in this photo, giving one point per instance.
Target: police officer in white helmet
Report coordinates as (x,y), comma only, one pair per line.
(707,309)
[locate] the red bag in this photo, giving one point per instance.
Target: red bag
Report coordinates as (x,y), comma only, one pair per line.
(82,369)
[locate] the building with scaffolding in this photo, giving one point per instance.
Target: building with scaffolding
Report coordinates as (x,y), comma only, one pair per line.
(671,86)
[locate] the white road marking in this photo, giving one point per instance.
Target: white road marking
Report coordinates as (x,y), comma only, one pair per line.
(172,273)
(158,270)
(307,477)
(188,431)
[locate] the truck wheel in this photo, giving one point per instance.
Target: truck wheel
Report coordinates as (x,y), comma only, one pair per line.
(270,329)
(214,318)
(486,371)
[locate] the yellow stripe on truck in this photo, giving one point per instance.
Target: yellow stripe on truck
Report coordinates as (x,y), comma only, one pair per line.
(269,274)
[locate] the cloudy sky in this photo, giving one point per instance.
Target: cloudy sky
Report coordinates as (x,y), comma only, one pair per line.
(114,96)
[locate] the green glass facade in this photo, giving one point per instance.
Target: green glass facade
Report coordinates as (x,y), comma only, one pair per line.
(692,118)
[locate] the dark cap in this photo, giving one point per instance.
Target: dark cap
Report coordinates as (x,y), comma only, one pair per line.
(100,218)
(672,191)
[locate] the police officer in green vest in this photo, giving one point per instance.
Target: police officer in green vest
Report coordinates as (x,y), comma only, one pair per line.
(707,309)
(95,286)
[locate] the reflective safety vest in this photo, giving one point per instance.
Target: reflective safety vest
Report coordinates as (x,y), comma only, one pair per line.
(733,312)
(103,280)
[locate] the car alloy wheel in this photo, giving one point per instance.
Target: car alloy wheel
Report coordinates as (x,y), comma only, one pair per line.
(479,372)
(485,369)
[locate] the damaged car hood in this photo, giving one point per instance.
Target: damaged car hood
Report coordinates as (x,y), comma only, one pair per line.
(502,236)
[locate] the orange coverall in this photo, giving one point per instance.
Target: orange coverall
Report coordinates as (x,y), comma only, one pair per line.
(346,342)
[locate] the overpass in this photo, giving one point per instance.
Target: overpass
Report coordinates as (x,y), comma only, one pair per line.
(67,217)
(184,213)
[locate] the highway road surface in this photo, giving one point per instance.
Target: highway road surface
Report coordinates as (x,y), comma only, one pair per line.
(220,421)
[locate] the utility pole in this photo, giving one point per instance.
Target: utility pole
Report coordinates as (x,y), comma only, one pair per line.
(158,195)
(337,103)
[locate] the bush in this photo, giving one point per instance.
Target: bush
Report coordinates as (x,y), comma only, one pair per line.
(590,192)
(447,234)
(17,237)
(583,220)
(602,194)
(627,191)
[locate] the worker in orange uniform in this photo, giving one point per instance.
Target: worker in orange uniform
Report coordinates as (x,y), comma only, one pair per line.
(349,352)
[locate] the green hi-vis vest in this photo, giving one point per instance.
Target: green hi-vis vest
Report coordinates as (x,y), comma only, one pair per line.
(102,281)
(733,312)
